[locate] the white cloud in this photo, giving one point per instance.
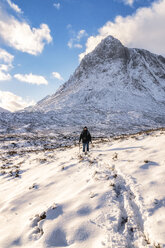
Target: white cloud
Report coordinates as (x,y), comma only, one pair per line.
(57,5)
(69,26)
(14,6)
(78,46)
(144,29)
(74,41)
(5,64)
(4,67)
(31,79)
(12,102)
(70,43)
(4,76)
(5,56)
(82,33)
(57,75)
(21,36)
(129,2)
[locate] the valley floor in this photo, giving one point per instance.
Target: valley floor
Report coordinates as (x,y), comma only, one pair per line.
(113,197)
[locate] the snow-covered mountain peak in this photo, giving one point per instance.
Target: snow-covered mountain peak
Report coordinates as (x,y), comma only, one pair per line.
(112,77)
(109,48)
(115,88)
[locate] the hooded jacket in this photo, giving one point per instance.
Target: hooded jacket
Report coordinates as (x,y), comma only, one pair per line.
(85,136)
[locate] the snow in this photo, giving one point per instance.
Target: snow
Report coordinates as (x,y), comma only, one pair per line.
(112,197)
(2,110)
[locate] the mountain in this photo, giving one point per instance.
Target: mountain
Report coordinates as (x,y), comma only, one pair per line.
(113,85)
(2,110)
(114,90)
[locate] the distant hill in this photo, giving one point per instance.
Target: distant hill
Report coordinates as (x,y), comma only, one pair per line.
(2,110)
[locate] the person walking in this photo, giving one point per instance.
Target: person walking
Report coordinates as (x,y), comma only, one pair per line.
(86,138)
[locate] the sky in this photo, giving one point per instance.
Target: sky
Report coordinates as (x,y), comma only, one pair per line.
(43,41)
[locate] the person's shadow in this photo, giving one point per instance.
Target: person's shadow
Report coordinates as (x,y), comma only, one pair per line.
(148,164)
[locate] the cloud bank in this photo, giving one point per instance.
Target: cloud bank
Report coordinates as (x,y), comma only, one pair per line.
(21,36)
(31,79)
(144,29)
(13,102)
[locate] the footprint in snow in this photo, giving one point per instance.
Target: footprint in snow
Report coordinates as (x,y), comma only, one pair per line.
(92,195)
(52,213)
(34,186)
(57,238)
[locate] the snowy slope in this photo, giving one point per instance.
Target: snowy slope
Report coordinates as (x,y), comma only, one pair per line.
(113,198)
(2,110)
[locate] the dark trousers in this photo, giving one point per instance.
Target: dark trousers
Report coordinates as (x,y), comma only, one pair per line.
(86,145)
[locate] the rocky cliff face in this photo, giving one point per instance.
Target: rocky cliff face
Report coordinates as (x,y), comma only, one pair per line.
(114,88)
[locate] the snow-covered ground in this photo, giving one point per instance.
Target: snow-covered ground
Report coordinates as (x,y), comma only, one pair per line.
(113,197)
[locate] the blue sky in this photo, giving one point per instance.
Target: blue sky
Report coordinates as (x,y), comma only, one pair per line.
(43,41)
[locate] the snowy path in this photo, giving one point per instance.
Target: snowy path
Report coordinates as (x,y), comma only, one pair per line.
(105,200)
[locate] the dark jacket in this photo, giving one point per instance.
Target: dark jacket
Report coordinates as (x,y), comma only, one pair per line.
(85,136)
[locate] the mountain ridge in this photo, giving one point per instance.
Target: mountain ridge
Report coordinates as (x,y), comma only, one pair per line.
(115,89)
(110,52)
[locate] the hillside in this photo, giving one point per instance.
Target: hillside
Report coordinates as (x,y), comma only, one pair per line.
(113,197)
(2,110)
